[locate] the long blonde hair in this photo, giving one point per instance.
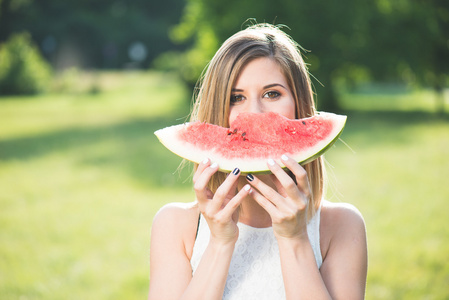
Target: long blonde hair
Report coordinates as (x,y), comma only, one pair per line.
(215,86)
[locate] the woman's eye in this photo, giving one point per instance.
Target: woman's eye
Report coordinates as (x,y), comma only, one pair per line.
(272,95)
(236,98)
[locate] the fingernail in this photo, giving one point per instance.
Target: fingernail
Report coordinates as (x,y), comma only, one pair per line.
(270,162)
(206,161)
(236,171)
(247,187)
(214,165)
(250,177)
(284,157)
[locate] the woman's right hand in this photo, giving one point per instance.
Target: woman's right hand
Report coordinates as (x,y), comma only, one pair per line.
(219,208)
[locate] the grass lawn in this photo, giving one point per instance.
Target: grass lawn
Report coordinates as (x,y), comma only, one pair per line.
(82,175)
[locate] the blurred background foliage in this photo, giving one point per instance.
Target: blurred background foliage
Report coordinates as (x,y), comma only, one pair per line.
(93,34)
(346,42)
(84,84)
(22,68)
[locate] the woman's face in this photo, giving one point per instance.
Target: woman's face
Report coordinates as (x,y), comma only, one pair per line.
(261,87)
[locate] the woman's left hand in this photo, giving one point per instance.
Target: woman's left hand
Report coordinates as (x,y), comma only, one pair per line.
(288,205)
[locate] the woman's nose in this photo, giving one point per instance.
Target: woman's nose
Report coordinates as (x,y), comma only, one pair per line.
(255,106)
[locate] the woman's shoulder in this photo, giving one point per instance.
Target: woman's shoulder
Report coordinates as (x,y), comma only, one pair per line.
(177,222)
(340,213)
(176,214)
(340,222)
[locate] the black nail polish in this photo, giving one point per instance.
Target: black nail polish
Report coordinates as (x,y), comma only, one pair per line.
(236,171)
(250,177)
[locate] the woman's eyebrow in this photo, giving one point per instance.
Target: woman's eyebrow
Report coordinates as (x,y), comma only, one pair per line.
(265,87)
(273,85)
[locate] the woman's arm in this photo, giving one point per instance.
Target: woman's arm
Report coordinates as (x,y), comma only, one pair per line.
(343,272)
(345,264)
(171,273)
(170,270)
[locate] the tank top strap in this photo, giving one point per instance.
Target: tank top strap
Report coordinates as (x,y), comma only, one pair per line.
(313,231)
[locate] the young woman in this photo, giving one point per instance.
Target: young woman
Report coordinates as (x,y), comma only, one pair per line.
(266,236)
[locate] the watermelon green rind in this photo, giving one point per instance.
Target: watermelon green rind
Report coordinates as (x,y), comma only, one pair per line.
(168,137)
(312,158)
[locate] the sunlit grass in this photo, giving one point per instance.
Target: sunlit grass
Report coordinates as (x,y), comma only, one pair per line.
(82,175)
(394,98)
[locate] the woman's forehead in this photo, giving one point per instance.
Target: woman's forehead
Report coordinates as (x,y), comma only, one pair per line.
(261,71)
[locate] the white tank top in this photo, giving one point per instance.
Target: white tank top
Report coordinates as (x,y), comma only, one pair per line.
(255,269)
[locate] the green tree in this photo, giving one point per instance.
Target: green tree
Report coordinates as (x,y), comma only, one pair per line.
(22,69)
(413,43)
(433,44)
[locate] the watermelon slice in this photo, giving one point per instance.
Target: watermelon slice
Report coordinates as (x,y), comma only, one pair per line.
(253,138)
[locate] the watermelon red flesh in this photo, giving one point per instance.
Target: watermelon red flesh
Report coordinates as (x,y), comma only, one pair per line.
(252,139)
